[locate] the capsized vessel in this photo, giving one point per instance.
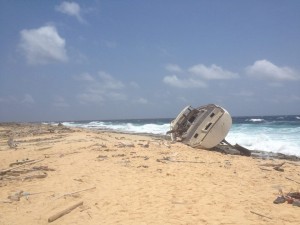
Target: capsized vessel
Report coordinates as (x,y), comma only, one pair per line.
(202,127)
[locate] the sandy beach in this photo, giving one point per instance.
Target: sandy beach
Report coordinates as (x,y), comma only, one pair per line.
(116,178)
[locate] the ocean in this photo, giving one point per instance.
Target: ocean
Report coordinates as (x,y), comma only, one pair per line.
(278,134)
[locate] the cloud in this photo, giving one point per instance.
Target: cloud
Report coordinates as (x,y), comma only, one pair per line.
(183,83)
(213,72)
(43,45)
(103,87)
(70,9)
(108,82)
(173,68)
(195,75)
(28,99)
(266,70)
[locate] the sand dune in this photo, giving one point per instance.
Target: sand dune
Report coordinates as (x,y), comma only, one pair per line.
(134,179)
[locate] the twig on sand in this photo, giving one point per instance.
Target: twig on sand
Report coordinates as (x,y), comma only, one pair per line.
(292,180)
(64,212)
(169,159)
(25,164)
(75,192)
(264,169)
(260,215)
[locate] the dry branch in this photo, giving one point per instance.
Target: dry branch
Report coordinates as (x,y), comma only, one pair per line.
(260,215)
(25,164)
(64,212)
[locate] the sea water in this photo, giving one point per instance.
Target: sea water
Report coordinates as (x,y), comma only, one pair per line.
(278,134)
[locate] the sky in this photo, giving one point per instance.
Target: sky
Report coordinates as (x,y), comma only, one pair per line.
(127,59)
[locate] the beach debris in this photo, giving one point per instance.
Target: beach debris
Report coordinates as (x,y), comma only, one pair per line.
(20,162)
(2,172)
(261,215)
(64,211)
(75,192)
(167,159)
(124,144)
(11,143)
(144,145)
(290,198)
(37,175)
(102,157)
(15,196)
(276,166)
(143,166)
(44,168)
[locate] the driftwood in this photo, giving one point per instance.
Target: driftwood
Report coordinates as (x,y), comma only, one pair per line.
(75,192)
(260,215)
(243,151)
(20,162)
(169,159)
(64,212)
(25,164)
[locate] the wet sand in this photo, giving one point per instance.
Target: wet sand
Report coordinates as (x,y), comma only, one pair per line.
(134,179)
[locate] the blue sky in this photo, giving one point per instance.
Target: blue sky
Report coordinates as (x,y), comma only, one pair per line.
(84,60)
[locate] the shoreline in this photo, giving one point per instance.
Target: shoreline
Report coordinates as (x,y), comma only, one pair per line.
(135,179)
(219,148)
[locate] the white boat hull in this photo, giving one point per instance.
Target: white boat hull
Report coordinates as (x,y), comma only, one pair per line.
(204,127)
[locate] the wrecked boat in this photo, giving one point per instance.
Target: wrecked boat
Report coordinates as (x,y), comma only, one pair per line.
(202,127)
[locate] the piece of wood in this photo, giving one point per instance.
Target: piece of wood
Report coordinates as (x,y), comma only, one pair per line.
(260,215)
(64,212)
(25,164)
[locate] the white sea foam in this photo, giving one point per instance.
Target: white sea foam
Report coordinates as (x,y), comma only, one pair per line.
(125,127)
(285,141)
(255,136)
(256,120)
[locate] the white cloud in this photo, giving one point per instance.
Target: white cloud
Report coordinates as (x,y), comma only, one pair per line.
(70,9)
(195,75)
(213,72)
(109,82)
(28,99)
(103,87)
(43,45)
(173,68)
(267,70)
(183,83)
